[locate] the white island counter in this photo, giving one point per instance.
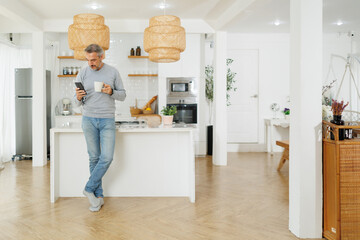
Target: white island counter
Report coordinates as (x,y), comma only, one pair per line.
(148,162)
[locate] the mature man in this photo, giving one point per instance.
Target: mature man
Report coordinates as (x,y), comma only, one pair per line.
(98,121)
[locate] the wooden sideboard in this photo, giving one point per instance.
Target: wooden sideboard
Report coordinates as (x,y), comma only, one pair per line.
(341,184)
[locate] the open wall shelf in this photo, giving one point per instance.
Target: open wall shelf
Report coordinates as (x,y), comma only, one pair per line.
(142,75)
(62,76)
(66,57)
(138,56)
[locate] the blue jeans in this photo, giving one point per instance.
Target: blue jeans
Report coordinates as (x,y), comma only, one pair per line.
(100,140)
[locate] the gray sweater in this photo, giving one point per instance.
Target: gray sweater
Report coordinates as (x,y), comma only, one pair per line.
(99,104)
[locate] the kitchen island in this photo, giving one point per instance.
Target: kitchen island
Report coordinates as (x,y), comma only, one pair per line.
(148,162)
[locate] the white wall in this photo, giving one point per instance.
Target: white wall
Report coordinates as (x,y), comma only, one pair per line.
(274,73)
(273,79)
(142,88)
(189,65)
(336,48)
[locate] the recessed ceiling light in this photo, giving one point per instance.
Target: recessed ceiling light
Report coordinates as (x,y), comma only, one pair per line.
(163,5)
(94,5)
(277,22)
(339,23)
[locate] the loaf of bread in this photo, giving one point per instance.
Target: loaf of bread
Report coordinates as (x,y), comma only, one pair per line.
(149,102)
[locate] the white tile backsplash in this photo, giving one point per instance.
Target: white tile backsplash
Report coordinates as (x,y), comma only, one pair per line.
(142,88)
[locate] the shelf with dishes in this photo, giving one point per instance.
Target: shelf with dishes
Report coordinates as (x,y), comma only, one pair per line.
(138,56)
(68,75)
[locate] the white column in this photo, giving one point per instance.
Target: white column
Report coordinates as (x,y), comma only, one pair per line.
(305,171)
(220,113)
(39,100)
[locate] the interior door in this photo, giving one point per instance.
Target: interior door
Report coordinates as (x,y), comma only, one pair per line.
(243,111)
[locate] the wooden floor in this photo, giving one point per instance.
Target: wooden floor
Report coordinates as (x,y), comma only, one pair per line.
(247,200)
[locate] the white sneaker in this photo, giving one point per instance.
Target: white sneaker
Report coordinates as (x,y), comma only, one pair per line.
(94,201)
(96,209)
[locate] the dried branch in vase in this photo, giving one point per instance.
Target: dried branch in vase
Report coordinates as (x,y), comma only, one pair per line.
(338,107)
(327,87)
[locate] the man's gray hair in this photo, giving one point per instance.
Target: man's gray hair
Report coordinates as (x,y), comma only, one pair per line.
(94,48)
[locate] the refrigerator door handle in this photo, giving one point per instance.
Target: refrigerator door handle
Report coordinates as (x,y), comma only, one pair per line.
(25,97)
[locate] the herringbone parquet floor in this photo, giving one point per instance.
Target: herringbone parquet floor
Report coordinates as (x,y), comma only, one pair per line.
(247,200)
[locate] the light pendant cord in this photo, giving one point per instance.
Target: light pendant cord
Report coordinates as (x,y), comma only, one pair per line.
(164,7)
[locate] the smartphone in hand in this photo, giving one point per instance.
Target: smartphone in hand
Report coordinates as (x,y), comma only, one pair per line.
(79,85)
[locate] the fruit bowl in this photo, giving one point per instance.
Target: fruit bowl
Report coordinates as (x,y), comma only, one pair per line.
(148,111)
(135,111)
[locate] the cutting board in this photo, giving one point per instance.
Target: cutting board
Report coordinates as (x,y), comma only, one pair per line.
(153,120)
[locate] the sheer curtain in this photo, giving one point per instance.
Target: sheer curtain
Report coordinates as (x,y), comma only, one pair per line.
(11,57)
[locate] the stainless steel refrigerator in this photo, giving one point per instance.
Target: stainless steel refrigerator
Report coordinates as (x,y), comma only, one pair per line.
(23,110)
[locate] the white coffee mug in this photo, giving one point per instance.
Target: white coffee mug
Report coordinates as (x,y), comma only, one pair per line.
(98,86)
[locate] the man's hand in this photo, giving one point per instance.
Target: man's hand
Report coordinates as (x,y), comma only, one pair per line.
(107,89)
(80,93)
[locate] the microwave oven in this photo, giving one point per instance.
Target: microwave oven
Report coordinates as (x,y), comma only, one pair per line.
(181,87)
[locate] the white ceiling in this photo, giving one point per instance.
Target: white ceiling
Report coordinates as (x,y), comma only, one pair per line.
(126,9)
(249,16)
(260,16)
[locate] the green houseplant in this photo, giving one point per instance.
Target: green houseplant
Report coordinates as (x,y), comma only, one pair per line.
(286,112)
(168,114)
(209,93)
(230,81)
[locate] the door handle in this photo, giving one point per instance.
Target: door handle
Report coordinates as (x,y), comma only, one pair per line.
(254,96)
(25,97)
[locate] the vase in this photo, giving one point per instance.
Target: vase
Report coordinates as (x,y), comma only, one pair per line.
(167,120)
(337,120)
(209,140)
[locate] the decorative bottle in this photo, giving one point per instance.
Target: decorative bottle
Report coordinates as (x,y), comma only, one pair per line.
(138,51)
(132,52)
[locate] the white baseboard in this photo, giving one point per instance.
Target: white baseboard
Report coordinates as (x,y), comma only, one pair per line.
(246,147)
(200,148)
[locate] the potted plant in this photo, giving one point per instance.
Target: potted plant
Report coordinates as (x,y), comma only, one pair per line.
(286,112)
(209,93)
(168,114)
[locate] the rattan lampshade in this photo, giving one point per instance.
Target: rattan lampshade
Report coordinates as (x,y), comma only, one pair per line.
(88,28)
(164,39)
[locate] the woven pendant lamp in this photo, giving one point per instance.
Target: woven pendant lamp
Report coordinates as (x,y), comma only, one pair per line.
(88,28)
(164,39)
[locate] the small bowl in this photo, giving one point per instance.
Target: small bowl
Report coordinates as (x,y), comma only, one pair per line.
(148,111)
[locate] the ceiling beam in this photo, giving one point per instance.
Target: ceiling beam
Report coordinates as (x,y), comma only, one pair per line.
(20,14)
(230,13)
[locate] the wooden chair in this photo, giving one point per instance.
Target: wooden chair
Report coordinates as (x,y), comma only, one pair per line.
(285,155)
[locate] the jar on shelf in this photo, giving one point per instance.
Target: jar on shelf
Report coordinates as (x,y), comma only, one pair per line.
(65,71)
(138,51)
(132,52)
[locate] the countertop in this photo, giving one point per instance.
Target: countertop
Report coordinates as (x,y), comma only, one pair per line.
(134,128)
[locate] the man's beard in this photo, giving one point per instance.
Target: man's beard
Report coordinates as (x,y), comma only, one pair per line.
(96,67)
